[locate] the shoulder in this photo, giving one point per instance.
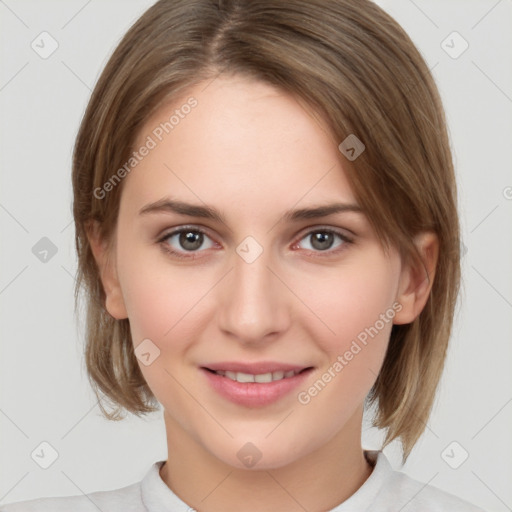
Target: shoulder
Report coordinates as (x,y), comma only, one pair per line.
(126,499)
(411,495)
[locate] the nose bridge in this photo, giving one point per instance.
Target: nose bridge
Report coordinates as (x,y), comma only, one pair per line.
(254,301)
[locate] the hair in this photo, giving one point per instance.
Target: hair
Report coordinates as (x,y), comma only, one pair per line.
(352,64)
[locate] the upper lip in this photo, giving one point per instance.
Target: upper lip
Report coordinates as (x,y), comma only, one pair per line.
(254,368)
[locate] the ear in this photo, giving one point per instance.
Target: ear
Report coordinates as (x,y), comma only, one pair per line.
(416,279)
(105,259)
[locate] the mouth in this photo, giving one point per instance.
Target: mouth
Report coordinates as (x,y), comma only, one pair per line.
(255,389)
(261,378)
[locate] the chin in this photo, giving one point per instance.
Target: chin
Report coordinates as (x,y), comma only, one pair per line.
(260,454)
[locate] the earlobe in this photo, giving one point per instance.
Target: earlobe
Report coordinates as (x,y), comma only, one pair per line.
(417,278)
(114,302)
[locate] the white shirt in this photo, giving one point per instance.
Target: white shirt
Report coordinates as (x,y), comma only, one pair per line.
(385,490)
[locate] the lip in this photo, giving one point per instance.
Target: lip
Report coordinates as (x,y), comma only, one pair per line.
(254,394)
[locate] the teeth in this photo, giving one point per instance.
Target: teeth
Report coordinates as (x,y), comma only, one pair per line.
(261,378)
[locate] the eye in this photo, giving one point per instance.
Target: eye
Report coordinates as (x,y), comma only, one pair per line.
(186,240)
(324,240)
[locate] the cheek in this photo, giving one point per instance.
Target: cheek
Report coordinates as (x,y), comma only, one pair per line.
(352,304)
(165,302)
(161,306)
(357,318)
(350,301)
(157,296)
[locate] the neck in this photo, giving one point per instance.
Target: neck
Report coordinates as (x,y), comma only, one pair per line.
(321,480)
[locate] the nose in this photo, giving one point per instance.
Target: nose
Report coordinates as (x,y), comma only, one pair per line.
(253,303)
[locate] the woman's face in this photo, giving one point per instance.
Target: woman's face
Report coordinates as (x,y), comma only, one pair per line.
(262,285)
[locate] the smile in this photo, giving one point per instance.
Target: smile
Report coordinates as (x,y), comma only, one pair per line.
(255,389)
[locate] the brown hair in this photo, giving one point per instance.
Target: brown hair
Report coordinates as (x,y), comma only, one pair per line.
(353,65)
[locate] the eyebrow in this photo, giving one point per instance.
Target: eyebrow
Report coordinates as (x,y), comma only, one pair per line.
(207,212)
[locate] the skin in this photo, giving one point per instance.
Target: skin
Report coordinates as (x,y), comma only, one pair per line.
(252,152)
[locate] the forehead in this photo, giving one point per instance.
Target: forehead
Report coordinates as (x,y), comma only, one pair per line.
(242,142)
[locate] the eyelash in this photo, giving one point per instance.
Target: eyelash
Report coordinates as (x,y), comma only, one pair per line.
(195,229)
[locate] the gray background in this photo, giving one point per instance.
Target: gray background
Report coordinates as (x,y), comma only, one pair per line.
(44,391)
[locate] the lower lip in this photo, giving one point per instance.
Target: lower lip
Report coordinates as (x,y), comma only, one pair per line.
(254,394)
